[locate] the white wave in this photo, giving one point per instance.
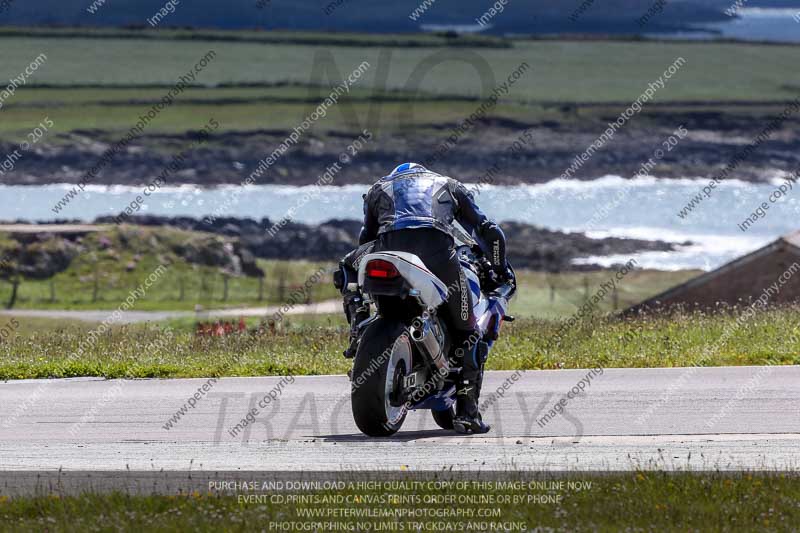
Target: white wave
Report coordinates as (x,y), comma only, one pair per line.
(612,181)
(767,12)
(114,189)
(675,236)
(706,251)
(608,181)
(647,260)
(302,189)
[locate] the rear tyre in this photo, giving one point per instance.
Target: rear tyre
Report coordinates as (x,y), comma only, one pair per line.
(444,419)
(382,361)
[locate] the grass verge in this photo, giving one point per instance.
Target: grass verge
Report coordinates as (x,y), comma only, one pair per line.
(301,347)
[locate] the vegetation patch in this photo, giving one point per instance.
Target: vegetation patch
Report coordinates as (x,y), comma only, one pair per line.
(98,270)
(314,345)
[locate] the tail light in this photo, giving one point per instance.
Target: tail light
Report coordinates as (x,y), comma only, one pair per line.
(378,268)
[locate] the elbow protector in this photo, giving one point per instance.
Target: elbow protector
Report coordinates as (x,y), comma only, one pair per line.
(362,236)
(495,241)
(340,278)
(348,266)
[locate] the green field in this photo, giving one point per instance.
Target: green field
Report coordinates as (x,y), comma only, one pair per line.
(115,262)
(183,287)
(639,501)
(569,71)
(259,36)
(543,295)
(110,90)
(111,263)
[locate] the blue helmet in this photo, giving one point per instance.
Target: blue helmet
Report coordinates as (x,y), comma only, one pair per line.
(407,167)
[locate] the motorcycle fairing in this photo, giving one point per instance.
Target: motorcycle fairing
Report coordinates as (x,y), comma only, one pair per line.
(432,291)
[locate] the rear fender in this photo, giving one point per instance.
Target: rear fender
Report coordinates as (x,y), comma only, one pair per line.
(432,292)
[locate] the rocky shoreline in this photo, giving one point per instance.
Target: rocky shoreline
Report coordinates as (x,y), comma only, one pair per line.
(529,246)
(714,140)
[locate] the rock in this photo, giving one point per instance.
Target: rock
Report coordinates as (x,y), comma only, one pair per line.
(529,246)
(45,257)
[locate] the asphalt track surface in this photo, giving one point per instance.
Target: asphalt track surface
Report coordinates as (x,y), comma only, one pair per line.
(681,418)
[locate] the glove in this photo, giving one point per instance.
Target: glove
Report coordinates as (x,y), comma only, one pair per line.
(506,275)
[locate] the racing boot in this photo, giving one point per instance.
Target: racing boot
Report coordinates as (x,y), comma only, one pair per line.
(356,312)
(468,418)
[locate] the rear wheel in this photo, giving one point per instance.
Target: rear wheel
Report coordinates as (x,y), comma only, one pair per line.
(381,364)
(444,419)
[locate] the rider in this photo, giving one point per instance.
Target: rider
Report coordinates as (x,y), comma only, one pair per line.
(412,210)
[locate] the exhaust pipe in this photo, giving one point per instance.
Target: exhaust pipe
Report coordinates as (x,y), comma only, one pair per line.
(426,340)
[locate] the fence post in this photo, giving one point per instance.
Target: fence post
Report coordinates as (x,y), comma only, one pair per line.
(205,290)
(96,286)
(225,287)
(308,295)
(282,275)
(14,286)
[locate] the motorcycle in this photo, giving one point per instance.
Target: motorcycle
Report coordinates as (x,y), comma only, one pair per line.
(403,360)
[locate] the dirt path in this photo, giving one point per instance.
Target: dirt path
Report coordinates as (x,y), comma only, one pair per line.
(133,317)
